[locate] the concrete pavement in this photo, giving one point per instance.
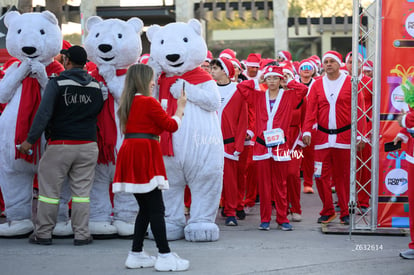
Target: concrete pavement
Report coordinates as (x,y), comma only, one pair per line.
(241,250)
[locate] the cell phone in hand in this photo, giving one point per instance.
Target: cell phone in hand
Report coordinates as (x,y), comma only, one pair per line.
(390,146)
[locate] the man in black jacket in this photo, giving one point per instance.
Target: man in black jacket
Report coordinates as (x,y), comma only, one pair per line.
(68,111)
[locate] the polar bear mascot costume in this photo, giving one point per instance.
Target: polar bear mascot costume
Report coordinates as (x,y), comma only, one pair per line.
(113,45)
(194,154)
(34,39)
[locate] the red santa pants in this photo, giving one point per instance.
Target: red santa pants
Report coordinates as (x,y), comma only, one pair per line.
(241,176)
(293,182)
(364,176)
(271,177)
(307,165)
(335,165)
(230,192)
(251,180)
(411,202)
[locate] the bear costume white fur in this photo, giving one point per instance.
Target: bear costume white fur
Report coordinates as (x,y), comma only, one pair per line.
(193,155)
(113,45)
(34,39)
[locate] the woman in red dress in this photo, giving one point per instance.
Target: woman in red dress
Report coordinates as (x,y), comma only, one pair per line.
(140,167)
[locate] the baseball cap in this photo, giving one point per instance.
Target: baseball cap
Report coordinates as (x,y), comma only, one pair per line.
(76,54)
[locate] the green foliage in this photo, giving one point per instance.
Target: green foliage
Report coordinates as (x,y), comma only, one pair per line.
(408,89)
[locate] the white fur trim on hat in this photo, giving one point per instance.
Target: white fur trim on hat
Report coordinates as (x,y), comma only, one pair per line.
(226,70)
(336,58)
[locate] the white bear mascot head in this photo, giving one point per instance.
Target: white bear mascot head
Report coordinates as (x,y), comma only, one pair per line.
(177,47)
(114,42)
(34,36)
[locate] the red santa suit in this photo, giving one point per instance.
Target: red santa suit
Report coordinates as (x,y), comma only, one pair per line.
(407,134)
(272,162)
(308,156)
(295,143)
(233,121)
(246,172)
(365,86)
(139,166)
(328,112)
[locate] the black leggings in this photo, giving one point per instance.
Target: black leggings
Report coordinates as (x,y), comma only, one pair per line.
(151,211)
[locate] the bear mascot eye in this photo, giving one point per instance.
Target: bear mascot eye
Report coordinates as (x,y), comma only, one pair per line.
(42,31)
(19,31)
(119,35)
(162,42)
(97,34)
(185,39)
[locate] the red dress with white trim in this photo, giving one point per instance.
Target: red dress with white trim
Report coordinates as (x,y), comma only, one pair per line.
(140,167)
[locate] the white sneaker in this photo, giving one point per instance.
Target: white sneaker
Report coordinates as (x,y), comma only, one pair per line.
(296,217)
(63,229)
(172,262)
(139,260)
(16,228)
(248,210)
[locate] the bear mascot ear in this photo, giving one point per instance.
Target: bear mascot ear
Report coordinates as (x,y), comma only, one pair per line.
(92,21)
(10,16)
(50,16)
(152,30)
(136,23)
(195,25)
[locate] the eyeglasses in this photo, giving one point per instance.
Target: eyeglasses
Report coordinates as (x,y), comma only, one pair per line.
(306,68)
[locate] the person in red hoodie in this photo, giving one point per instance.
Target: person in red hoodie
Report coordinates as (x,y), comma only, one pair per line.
(233,120)
(271,151)
(328,110)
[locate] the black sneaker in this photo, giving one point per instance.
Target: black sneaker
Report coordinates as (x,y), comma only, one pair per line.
(231,221)
(36,240)
(345,220)
(87,241)
(241,215)
(326,218)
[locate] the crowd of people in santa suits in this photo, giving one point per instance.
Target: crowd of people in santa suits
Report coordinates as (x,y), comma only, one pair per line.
(254,111)
(262,133)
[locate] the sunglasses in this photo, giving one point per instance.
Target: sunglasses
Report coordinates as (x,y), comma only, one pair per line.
(306,68)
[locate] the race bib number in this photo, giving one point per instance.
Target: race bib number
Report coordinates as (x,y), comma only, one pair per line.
(274,137)
(318,169)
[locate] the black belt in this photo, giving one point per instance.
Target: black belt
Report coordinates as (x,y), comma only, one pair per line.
(228,140)
(262,142)
(334,131)
(142,135)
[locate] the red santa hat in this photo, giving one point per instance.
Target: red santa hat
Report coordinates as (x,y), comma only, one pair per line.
(253,60)
(333,54)
(307,62)
(144,58)
(287,68)
(228,53)
(66,45)
(368,66)
(236,62)
(273,70)
(209,56)
(349,55)
(227,66)
(317,59)
(285,55)
(265,61)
